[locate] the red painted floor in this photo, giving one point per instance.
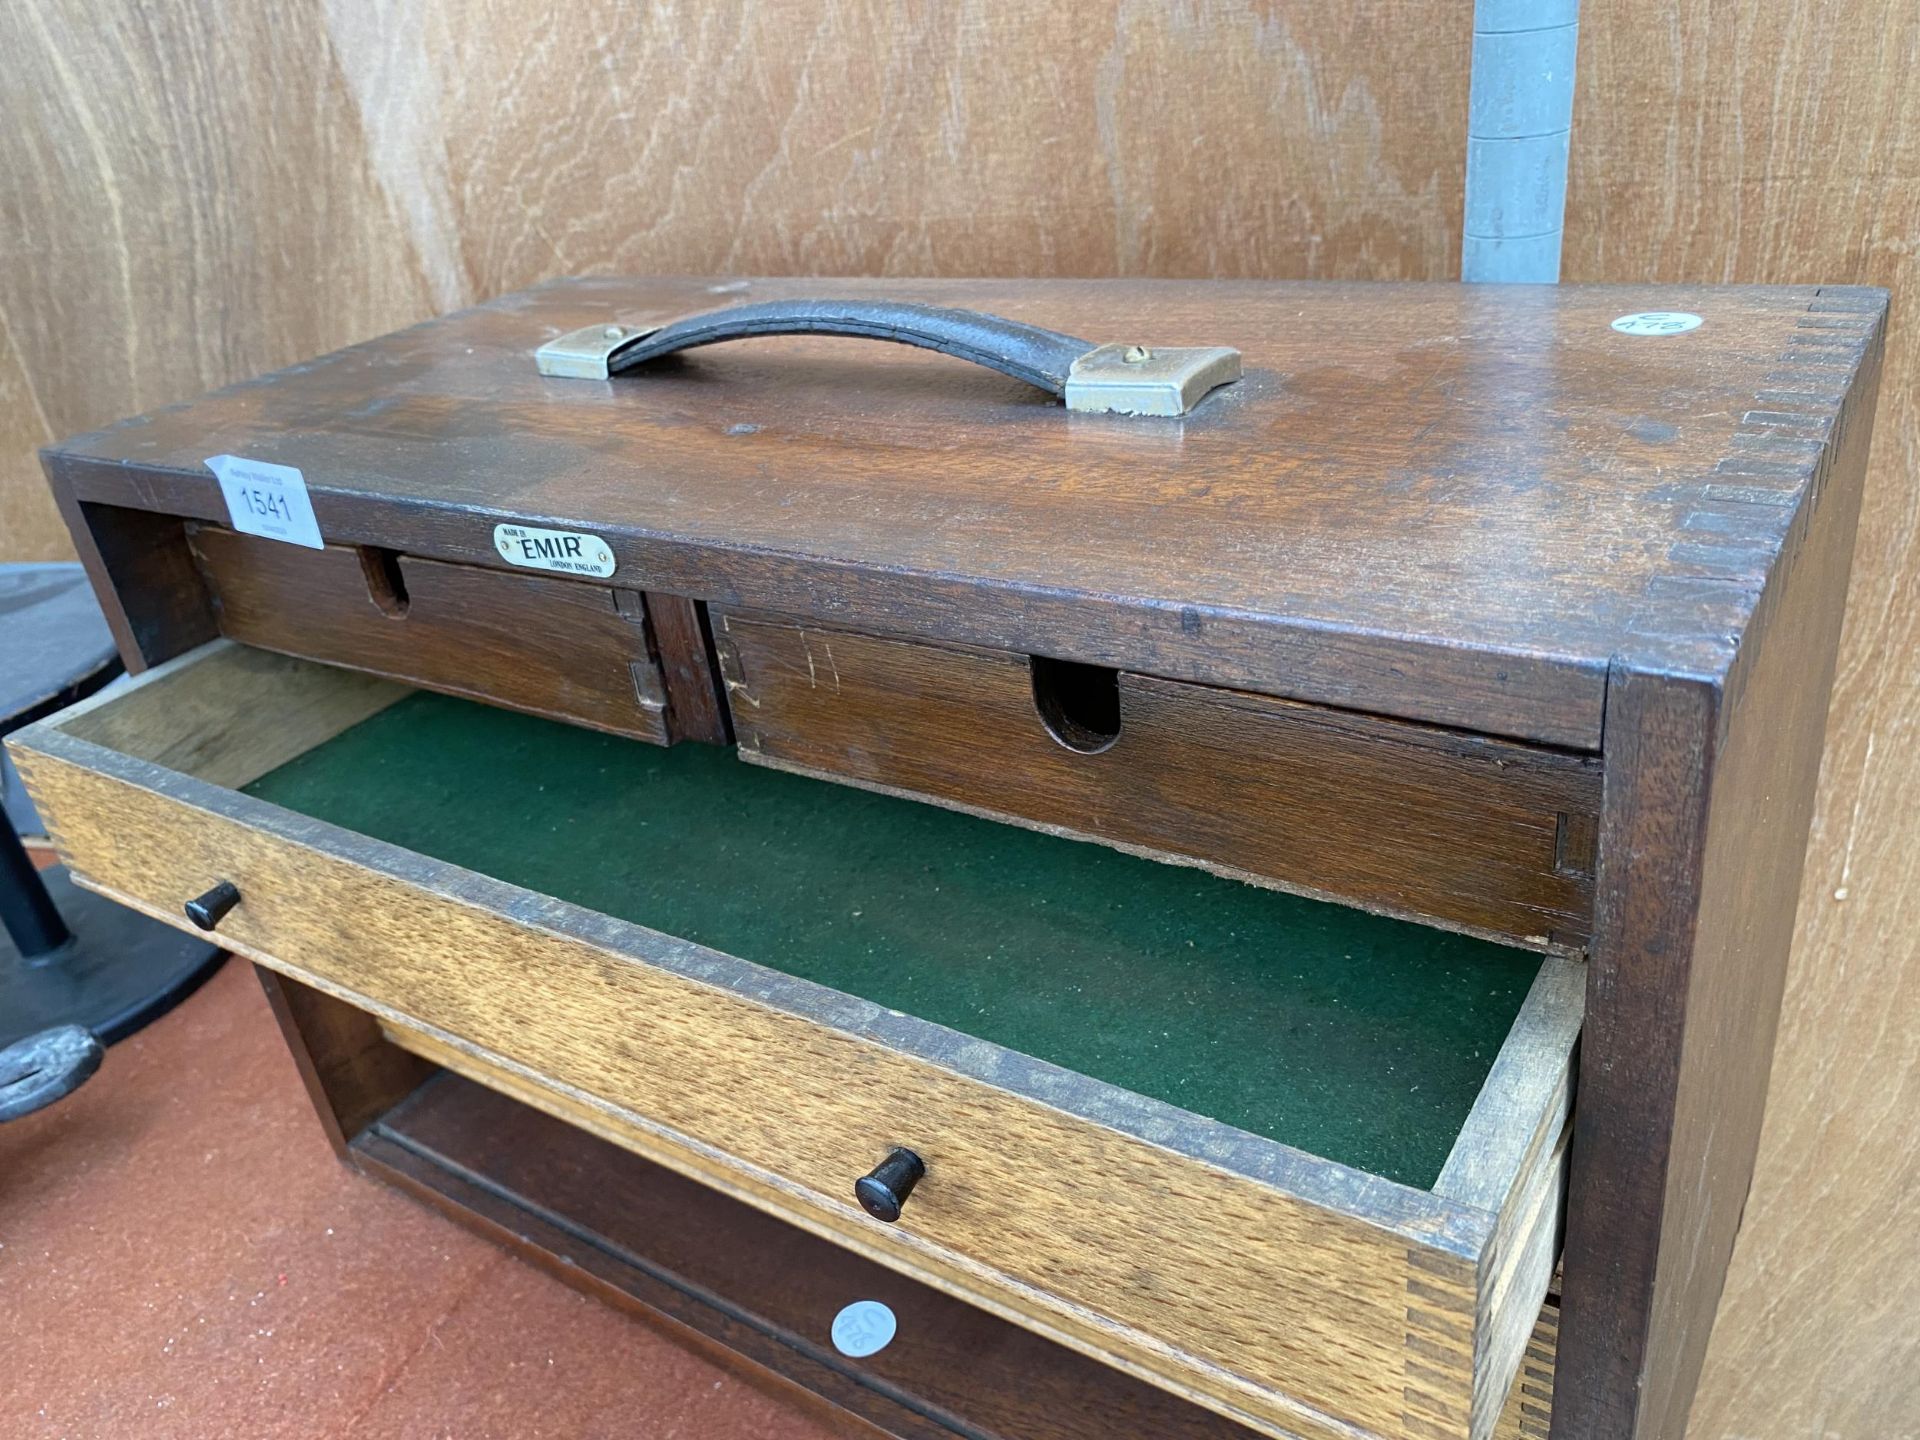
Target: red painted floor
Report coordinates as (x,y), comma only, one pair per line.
(181,1255)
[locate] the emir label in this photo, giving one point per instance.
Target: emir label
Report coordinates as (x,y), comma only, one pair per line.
(567,551)
(267,500)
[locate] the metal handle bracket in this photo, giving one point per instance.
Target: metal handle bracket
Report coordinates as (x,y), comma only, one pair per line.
(588,353)
(1133,380)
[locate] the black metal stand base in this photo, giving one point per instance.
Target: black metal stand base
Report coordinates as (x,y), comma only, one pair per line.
(118,972)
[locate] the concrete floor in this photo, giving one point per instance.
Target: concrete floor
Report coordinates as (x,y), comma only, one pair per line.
(181,1255)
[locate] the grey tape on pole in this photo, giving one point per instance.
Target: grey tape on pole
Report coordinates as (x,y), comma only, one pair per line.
(1519,121)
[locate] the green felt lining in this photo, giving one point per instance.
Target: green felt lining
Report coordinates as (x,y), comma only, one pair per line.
(1357,1038)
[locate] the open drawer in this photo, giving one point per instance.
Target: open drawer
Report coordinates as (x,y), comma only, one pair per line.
(1301,1164)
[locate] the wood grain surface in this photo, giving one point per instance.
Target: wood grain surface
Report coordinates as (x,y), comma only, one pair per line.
(1527,1241)
(204,718)
(1485,546)
(1529,1410)
(1329,1295)
(695,708)
(204,198)
(1282,792)
(667,1249)
(452,628)
(352,1075)
(1748,144)
(189,197)
(664,1248)
(526,1153)
(1441,502)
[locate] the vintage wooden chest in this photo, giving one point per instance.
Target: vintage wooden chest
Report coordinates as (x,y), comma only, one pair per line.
(1445,688)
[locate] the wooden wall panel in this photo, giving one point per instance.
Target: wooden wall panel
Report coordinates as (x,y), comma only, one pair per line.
(1131,136)
(185,200)
(30,528)
(1771,143)
(190,194)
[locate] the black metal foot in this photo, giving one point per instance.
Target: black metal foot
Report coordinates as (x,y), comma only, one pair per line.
(46,1067)
(117,972)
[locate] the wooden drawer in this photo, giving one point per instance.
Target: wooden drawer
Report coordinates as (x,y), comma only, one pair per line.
(1486,835)
(1304,1296)
(612,659)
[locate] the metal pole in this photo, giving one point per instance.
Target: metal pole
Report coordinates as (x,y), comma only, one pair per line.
(26,910)
(1519,119)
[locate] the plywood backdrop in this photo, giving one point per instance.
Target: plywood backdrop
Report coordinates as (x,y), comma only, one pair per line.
(193,193)
(1781,141)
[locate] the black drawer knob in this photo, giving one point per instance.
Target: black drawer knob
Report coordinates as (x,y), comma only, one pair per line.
(211,908)
(882,1192)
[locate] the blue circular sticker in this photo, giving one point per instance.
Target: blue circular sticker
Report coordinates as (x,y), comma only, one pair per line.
(864,1328)
(1657,322)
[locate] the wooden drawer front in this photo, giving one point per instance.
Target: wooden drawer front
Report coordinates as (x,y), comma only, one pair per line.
(1485,835)
(1298,1295)
(561,648)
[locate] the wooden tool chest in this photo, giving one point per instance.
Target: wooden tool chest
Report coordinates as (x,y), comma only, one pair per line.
(1252,895)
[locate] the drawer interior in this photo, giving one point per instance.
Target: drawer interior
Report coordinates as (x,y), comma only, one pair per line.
(1352,1036)
(1302,1163)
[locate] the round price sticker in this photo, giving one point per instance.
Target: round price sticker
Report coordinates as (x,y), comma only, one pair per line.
(1657,322)
(864,1328)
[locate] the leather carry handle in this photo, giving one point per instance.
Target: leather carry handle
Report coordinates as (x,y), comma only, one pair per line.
(1026,352)
(1127,379)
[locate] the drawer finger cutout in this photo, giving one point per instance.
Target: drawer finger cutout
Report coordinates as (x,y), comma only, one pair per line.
(1300,1294)
(1487,835)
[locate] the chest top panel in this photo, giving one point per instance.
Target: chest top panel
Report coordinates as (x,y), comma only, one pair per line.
(1452,503)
